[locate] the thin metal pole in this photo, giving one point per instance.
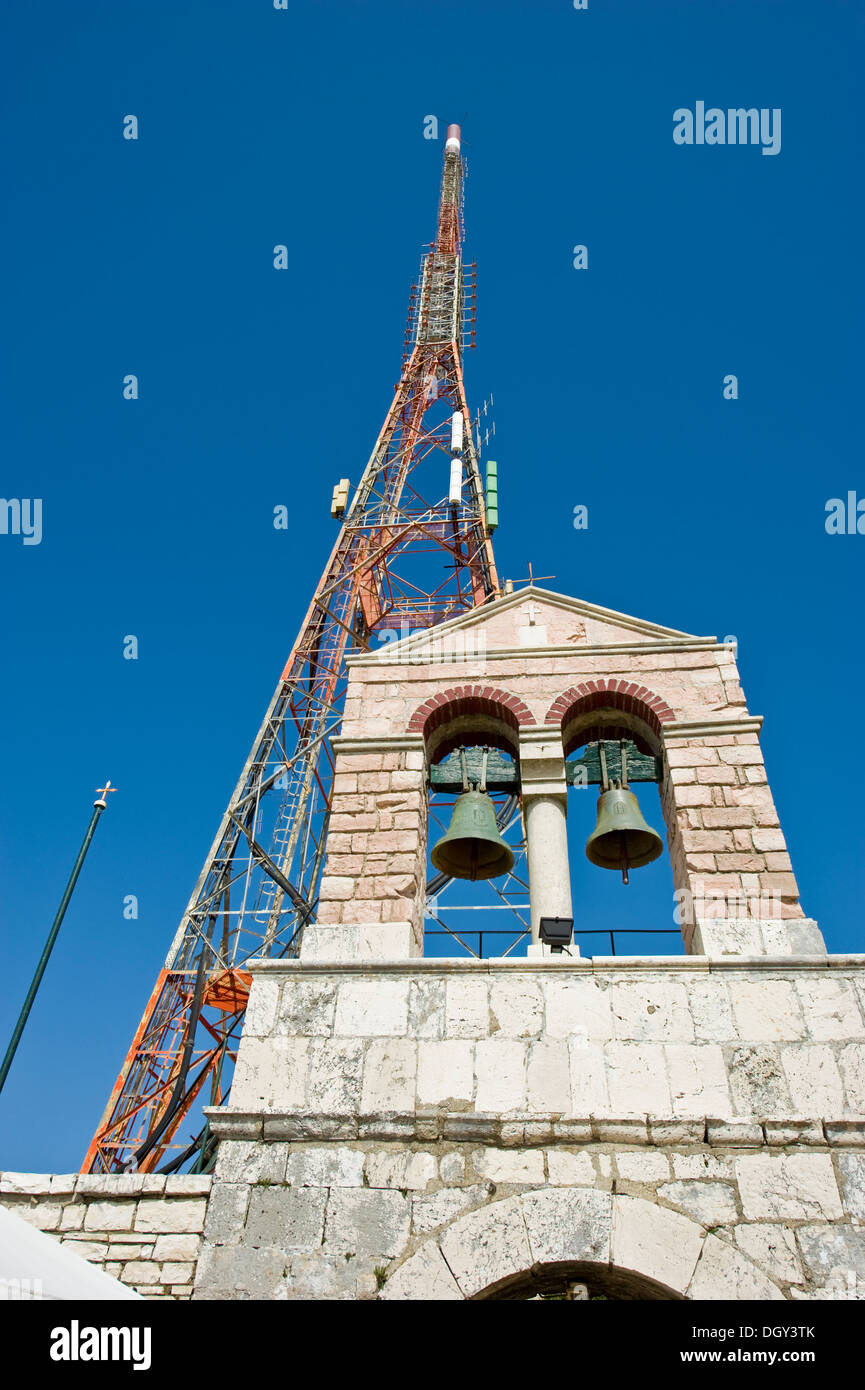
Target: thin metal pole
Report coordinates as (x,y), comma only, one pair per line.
(98,808)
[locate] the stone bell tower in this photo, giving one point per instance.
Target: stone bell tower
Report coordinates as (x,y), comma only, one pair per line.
(408,1127)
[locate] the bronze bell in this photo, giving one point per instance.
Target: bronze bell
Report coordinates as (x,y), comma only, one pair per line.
(472,847)
(622,839)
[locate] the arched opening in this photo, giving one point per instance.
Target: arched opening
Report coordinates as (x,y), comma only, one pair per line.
(577,1281)
(471,735)
(611,736)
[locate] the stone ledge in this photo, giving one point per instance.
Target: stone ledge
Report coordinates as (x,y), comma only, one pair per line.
(582,965)
(519,1130)
(119,1186)
(390,655)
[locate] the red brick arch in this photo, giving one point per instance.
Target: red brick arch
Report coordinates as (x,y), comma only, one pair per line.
(627,696)
(462,700)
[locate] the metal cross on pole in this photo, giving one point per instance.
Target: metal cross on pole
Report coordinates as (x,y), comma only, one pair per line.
(98,808)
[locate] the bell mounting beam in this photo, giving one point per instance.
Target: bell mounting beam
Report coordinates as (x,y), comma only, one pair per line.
(410,554)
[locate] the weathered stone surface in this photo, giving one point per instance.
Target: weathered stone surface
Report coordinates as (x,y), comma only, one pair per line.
(813,1079)
(651,1010)
(467,1010)
(701,1165)
(642,1167)
(426,1008)
(655,1241)
(831,1250)
(238,1272)
(334,1075)
(588,1078)
(425,1277)
(711,1203)
(510,1166)
(174,1216)
(501,1075)
(773,1248)
(548,1076)
(363,1221)
(445,1072)
(851,1178)
(307,1008)
(830,1008)
(287,1218)
(116,1216)
(319,1166)
(389,1075)
(176,1248)
(440,1208)
(757,1081)
(710,1010)
(569,1170)
(766,1010)
(487,1246)
(516,1008)
(260,1016)
(578,1008)
(372,1008)
(636,1078)
(140,1272)
(697,1079)
(852,1064)
(723,1272)
(568,1224)
(788,1187)
(245,1160)
(226,1214)
(270,1072)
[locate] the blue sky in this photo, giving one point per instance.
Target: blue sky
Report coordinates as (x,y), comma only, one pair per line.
(257,388)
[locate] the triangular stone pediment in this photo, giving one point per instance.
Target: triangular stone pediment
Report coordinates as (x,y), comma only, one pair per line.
(538,618)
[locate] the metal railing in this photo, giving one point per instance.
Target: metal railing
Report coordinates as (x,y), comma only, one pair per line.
(480,933)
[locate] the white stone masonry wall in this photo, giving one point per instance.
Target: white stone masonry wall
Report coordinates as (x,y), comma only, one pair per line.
(144,1229)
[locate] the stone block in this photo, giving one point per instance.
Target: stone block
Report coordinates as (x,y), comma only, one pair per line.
(247,1160)
(788,1187)
(568,1225)
(588,1078)
(140,1273)
(72,1217)
(743,1134)
(367,1222)
(425,1277)
(578,1008)
(33,1184)
(851,1177)
(510,1166)
(188,1184)
(723,1272)
(830,1251)
(711,1014)
(177,1273)
(372,1008)
(487,1246)
(334,1075)
(757,1081)
(258,1021)
(516,1008)
(109,1216)
(697,1079)
(234,1272)
(851,1061)
(440,1208)
(566,1169)
(183,1248)
(654,1240)
(307,1008)
(389,1075)
(318,1166)
(501,1075)
(766,1010)
(636,1078)
(467,1011)
(426,1008)
(98,1250)
(813,1079)
(286,1218)
(643,1167)
(176,1216)
(709,1202)
(270,1072)
(445,1073)
(44,1216)
(548,1076)
(655,1009)
(773,1248)
(701,1165)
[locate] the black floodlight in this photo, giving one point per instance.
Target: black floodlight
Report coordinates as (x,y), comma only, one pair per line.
(556,932)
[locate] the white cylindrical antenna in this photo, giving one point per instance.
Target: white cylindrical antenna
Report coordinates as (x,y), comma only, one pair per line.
(456,432)
(455,492)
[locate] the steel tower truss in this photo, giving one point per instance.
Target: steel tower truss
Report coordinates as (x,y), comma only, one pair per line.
(259,884)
